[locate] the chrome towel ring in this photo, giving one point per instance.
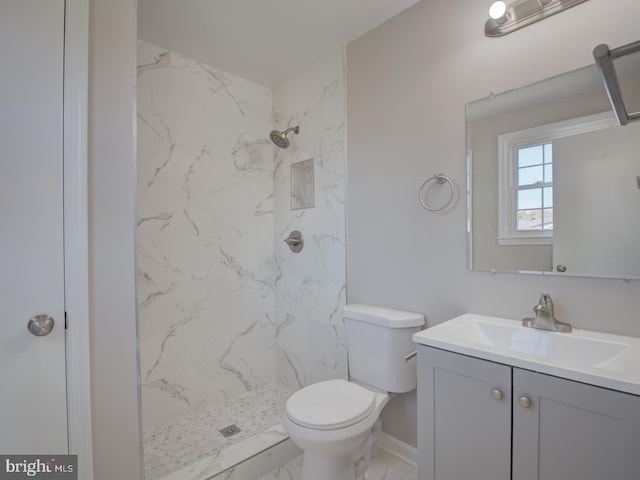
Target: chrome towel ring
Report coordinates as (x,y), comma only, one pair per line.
(440,179)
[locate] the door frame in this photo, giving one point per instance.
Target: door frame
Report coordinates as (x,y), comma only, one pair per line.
(76,252)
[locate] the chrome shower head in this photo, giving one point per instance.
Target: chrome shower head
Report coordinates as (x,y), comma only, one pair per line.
(280,138)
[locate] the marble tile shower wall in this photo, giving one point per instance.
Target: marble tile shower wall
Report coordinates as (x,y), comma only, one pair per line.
(224,305)
(311,343)
(207,276)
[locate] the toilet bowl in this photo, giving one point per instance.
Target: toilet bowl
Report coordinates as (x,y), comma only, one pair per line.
(332,422)
(336,422)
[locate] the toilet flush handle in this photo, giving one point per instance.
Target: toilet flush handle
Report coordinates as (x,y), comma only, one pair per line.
(410,355)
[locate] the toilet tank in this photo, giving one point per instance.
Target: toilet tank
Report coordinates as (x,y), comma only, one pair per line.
(377,340)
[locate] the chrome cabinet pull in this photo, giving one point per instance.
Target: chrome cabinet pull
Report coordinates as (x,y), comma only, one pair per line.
(497,394)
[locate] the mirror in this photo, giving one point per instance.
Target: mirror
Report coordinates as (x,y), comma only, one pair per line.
(628,90)
(553,181)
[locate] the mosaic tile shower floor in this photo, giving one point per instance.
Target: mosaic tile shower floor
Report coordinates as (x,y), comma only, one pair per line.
(192,448)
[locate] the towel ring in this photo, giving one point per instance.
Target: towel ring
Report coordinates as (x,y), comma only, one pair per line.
(441,179)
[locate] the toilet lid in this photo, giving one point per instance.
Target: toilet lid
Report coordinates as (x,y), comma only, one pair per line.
(329,405)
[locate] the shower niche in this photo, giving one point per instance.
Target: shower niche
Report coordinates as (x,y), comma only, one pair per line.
(302,185)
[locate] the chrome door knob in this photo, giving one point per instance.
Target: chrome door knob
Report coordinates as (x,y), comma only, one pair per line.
(561,268)
(524,402)
(41,325)
(497,394)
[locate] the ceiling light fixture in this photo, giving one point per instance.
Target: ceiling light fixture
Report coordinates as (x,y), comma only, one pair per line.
(507,17)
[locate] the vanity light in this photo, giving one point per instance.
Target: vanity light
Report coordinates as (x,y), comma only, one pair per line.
(505,18)
(497,11)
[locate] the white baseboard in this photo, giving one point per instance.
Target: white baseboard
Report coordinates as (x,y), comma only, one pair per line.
(400,449)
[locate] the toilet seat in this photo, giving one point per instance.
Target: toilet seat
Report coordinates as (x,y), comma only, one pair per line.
(330,405)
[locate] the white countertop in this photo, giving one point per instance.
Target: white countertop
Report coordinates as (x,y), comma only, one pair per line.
(602,359)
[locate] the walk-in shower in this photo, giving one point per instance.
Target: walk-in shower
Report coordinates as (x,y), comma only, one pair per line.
(280,138)
(207,274)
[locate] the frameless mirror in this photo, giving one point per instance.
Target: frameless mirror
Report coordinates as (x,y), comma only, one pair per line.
(302,185)
(554,182)
(628,65)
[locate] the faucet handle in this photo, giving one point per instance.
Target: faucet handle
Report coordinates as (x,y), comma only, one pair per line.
(544,304)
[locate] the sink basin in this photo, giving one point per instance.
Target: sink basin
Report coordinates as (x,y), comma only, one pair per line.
(567,347)
(611,361)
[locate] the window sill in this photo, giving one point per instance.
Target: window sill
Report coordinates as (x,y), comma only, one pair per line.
(525,240)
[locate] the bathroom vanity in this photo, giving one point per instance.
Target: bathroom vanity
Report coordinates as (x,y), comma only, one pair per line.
(498,401)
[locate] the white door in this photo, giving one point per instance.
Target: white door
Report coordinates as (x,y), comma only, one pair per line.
(33,413)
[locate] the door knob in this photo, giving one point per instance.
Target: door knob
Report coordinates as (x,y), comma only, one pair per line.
(561,268)
(41,325)
(497,394)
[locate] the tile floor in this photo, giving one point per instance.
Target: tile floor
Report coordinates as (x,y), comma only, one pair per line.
(191,448)
(397,469)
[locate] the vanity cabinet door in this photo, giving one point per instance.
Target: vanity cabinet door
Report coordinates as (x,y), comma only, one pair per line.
(568,430)
(464,403)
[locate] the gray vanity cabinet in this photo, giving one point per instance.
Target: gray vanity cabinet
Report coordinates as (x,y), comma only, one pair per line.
(464,433)
(480,420)
(572,430)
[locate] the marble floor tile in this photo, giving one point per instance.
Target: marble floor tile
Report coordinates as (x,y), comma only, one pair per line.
(261,464)
(396,468)
(291,470)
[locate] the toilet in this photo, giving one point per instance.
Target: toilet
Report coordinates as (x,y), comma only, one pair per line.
(336,422)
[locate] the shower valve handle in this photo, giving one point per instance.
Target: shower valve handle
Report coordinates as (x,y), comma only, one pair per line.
(295,241)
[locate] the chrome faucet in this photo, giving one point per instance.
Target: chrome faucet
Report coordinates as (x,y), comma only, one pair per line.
(545,319)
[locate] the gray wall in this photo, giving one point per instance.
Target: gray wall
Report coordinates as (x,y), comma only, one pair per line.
(407,84)
(112,221)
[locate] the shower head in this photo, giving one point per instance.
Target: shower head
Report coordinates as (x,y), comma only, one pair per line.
(280,138)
